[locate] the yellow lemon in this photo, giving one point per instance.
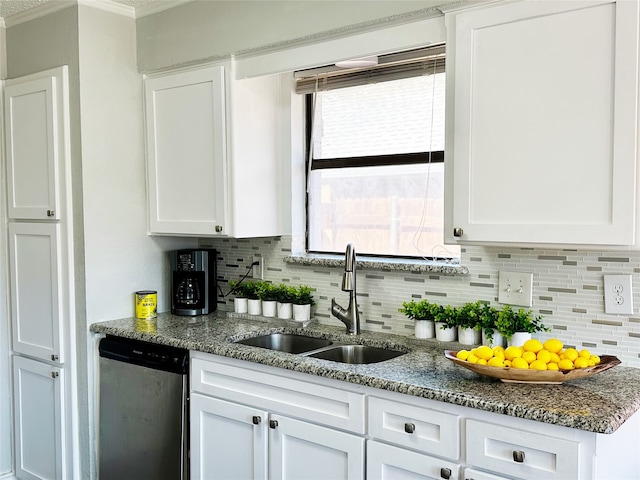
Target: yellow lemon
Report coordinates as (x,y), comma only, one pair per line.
(484,352)
(520,362)
(529,357)
(553,345)
(512,352)
(565,364)
(584,353)
(555,358)
(481,361)
(596,359)
(497,348)
(581,362)
(472,358)
(571,354)
(463,354)
(538,365)
(499,355)
(507,363)
(495,362)
(552,366)
(532,345)
(544,356)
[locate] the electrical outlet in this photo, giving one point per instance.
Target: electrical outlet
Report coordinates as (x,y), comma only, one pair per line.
(257,272)
(516,288)
(618,294)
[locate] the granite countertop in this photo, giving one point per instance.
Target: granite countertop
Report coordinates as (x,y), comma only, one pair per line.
(600,403)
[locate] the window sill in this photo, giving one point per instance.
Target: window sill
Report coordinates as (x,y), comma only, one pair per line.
(374,263)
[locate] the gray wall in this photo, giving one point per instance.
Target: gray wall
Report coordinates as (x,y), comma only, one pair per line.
(206,30)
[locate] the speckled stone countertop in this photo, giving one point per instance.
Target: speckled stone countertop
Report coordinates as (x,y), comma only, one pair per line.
(600,403)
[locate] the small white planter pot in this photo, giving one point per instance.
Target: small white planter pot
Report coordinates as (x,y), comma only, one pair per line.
(254,307)
(284,311)
(497,340)
(240,305)
(301,313)
(469,336)
(447,334)
(425,329)
(269,308)
(519,338)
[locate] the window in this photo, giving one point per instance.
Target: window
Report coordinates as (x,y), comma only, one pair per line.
(376,176)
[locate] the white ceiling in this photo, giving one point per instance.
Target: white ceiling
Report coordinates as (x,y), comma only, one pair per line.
(10,8)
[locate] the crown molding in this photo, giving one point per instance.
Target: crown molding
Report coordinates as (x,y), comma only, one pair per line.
(156,7)
(37,12)
(110,6)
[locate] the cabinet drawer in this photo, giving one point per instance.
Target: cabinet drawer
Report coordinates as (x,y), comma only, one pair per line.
(473,474)
(277,393)
(522,454)
(414,427)
(386,462)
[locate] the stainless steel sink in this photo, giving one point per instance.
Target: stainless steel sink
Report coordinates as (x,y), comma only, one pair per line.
(287,342)
(356,354)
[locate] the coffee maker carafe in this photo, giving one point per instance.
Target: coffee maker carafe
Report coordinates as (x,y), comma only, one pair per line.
(193,281)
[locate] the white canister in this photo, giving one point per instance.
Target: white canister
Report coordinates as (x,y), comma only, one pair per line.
(424,328)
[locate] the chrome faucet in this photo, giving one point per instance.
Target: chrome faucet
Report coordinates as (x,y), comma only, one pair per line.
(349,316)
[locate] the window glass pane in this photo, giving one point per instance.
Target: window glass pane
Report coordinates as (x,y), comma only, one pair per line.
(386,210)
(400,116)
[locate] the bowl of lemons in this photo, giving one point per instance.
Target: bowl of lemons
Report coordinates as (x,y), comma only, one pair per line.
(533,362)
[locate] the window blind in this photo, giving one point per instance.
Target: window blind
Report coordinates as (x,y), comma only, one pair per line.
(413,63)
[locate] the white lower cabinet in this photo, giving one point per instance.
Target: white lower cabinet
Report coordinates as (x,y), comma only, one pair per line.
(388,462)
(39,432)
(253,421)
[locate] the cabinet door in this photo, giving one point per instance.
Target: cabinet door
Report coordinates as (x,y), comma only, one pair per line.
(386,462)
(542,144)
(34,262)
(303,450)
(186,152)
(38,407)
(36,129)
(228,441)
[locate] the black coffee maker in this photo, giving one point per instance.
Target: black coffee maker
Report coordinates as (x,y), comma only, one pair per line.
(193,281)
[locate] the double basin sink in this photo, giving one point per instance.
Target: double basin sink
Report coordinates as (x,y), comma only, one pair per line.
(322,348)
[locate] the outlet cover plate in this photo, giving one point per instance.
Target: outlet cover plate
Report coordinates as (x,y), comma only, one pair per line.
(516,288)
(618,294)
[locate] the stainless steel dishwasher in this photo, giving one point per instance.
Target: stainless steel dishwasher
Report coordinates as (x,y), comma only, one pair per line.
(143,411)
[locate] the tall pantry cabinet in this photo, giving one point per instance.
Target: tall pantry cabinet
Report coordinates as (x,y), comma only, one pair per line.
(36,123)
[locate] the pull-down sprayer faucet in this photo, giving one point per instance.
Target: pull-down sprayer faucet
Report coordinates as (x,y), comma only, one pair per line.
(349,316)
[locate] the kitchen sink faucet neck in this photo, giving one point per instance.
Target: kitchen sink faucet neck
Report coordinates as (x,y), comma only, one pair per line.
(349,316)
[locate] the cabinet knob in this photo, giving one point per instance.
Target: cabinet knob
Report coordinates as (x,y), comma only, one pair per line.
(54,357)
(256,420)
(445,473)
(51,213)
(409,427)
(54,374)
(273,424)
(218,228)
(458,232)
(518,456)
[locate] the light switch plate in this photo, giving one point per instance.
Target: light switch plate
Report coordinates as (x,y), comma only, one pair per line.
(516,288)
(258,270)
(618,294)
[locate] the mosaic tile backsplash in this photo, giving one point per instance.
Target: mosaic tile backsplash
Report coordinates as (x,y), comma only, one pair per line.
(567,288)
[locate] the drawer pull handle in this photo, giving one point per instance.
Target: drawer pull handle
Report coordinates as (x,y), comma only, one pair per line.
(458,232)
(55,374)
(256,420)
(409,427)
(518,456)
(445,473)
(273,424)
(51,213)
(54,357)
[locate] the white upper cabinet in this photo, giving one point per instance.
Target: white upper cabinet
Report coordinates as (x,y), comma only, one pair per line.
(36,116)
(542,123)
(212,154)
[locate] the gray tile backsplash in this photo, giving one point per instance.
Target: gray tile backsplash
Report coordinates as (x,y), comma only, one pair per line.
(567,288)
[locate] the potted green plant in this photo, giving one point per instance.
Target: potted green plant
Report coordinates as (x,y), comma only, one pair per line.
(446,323)
(302,303)
(422,313)
(268,294)
(469,321)
(518,325)
(240,302)
(490,334)
(284,298)
(249,291)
